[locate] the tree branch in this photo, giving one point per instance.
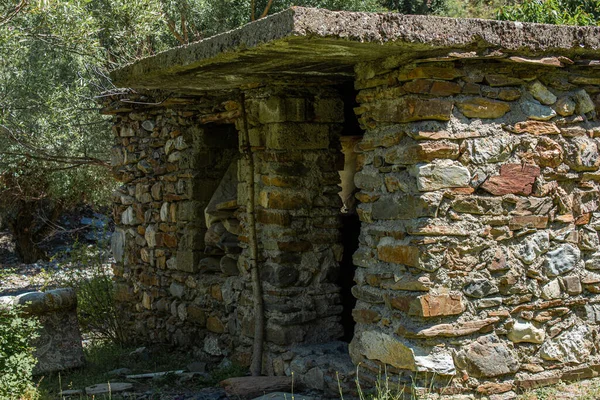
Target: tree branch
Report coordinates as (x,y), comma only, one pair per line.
(267,8)
(171,26)
(11,14)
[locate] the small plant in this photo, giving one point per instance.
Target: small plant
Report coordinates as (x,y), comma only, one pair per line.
(384,388)
(16,354)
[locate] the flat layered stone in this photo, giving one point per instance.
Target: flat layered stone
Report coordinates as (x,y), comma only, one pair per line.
(455,330)
(435,305)
(398,252)
(537,128)
(441,174)
(412,109)
(513,179)
(426,72)
(528,221)
(413,152)
(409,283)
(483,108)
(502,80)
(405,206)
(107,388)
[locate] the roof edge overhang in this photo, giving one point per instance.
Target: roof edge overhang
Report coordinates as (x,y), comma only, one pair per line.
(323,46)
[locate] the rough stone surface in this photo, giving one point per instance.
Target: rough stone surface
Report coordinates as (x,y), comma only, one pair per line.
(488,357)
(58,346)
(476,185)
(441,174)
(526,332)
(572,346)
(513,179)
(562,260)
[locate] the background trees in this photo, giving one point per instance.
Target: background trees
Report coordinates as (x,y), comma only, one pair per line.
(54,58)
(561,12)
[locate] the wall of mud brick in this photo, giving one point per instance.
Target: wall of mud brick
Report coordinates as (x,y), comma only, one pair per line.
(479,249)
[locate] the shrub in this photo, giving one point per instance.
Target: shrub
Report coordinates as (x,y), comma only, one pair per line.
(16,354)
(88,272)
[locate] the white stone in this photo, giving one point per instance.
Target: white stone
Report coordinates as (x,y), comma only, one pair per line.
(212,346)
(169,146)
(571,346)
(562,260)
(127,131)
(180,143)
(164,212)
(182,312)
(128,217)
(176,290)
(440,363)
(533,246)
(174,157)
(541,93)
(150,236)
(526,332)
(148,125)
(382,347)
(440,174)
(491,149)
(551,290)
(565,107)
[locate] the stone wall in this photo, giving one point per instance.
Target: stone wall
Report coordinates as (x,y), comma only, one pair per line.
(170,156)
(173,284)
(479,247)
(295,140)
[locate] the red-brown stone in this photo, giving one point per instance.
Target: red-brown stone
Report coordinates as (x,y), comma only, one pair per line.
(434,305)
(513,179)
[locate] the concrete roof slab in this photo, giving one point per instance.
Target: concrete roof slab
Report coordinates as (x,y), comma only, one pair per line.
(322,47)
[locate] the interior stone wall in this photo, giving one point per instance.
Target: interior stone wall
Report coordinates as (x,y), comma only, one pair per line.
(170,156)
(479,250)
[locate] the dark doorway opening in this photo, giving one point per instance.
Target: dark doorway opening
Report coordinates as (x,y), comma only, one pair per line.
(350,223)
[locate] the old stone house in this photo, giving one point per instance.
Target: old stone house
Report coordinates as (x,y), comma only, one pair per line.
(469,247)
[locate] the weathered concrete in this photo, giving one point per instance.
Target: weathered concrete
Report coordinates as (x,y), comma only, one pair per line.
(315,45)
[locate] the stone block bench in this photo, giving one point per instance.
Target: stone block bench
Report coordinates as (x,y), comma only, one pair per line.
(59,345)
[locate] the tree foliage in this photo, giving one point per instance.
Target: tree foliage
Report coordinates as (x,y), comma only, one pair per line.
(560,12)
